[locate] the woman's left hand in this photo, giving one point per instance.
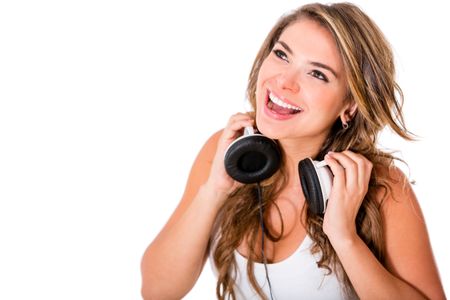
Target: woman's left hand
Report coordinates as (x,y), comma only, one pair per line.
(350,184)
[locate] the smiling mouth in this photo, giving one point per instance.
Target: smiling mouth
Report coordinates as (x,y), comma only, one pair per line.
(280,107)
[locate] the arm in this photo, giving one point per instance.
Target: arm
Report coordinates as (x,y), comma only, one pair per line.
(411,272)
(174,260)
(408,250)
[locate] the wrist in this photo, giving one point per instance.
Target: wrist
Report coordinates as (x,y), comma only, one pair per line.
(344,242)
(212,194)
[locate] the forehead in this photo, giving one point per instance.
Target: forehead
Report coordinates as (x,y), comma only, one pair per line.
(311,41)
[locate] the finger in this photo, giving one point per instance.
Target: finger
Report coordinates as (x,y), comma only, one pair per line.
(235,124)
(234,130)
(364,167)
(241,123)
(337,170)
(237,117)
(350,169)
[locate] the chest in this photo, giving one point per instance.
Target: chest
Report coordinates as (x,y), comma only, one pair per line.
(285,220)
(296,277)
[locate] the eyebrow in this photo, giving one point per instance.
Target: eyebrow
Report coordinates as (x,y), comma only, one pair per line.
(314,63)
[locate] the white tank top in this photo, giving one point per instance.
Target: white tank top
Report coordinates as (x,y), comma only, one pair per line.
(296,277)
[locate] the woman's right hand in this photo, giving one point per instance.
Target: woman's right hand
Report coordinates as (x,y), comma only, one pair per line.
(219,180)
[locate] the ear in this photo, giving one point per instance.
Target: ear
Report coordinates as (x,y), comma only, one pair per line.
(348,112)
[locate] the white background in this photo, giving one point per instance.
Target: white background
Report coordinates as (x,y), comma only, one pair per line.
(105,104)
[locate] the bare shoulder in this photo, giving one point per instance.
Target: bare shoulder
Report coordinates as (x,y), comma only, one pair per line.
(408,250)
(400,197)
(198,175)
(202,166)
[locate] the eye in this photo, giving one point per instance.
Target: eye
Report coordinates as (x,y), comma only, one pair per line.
(281,54)
(318,75)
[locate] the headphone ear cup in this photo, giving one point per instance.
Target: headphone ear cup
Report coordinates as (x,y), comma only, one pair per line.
(311,186)
(253,158)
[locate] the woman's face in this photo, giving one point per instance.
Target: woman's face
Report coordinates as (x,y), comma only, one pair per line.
(301,85)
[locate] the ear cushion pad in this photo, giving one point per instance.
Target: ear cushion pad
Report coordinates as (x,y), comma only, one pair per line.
(252,159)
(311,186)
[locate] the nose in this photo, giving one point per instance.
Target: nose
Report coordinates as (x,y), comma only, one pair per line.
(289,80)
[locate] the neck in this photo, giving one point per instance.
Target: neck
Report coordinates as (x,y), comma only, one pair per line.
(295,150)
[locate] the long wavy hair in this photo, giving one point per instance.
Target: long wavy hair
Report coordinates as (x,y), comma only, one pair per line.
(370,75)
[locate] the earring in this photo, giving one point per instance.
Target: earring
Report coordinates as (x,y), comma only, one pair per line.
(345,125)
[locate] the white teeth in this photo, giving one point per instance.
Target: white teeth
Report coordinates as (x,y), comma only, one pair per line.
(279,102)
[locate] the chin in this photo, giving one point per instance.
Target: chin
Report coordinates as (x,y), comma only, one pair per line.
(272,131)
(276,127)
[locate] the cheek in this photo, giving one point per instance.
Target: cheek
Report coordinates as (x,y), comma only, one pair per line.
(260,90)
(325,100)
(262,75)
(325,106)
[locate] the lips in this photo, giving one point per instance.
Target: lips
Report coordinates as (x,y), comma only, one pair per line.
(277,106)
(279,102)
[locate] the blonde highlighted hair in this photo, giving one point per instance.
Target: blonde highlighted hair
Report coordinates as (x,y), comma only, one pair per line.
(370,76)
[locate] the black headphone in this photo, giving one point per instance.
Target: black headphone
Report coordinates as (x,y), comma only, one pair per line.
(254,157)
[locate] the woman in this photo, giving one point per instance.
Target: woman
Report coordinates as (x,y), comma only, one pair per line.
(322,86)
